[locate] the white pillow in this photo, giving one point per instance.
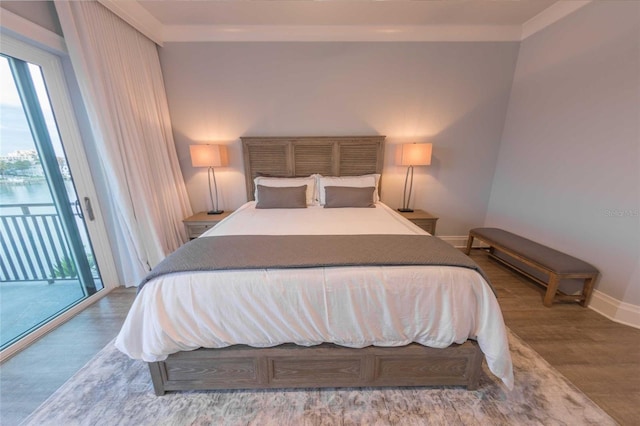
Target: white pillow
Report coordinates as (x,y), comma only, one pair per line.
(362,181)
(276,182)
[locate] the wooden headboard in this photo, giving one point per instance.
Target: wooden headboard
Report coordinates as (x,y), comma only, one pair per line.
(306,155)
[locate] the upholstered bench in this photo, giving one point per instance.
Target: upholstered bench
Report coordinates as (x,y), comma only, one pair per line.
(555,264)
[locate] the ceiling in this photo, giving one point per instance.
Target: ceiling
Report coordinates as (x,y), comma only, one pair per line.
(344,12)
(340,20)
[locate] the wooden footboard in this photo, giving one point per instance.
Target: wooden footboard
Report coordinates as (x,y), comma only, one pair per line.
(326,365)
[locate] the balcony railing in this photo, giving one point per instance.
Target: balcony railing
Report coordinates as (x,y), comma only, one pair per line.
(33,246)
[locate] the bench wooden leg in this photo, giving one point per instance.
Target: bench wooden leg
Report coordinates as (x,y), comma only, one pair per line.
(552,288)
(587,290)
(469,244)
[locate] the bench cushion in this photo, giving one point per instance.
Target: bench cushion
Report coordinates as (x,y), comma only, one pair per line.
(554,260)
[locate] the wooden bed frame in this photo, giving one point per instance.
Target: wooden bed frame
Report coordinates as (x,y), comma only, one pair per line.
(326,365)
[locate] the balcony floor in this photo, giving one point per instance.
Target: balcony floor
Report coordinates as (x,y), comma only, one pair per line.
(24,305)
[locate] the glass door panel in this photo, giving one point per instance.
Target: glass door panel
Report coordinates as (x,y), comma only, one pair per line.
(46,259)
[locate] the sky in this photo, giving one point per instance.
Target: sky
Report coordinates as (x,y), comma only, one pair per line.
(14,129)
(8,92)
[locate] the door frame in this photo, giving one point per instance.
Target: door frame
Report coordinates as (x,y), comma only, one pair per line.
(59,96)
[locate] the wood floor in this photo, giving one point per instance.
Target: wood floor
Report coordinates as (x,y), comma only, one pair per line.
(31,376)
(599,356)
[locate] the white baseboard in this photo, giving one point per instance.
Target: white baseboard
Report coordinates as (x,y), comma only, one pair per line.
(615,310)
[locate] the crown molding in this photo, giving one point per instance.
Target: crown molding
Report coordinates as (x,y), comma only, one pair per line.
(26,30)
(138,17)
(551,15)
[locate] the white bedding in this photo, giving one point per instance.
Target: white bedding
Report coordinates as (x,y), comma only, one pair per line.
(350,306)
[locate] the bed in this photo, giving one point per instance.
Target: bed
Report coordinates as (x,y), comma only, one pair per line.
(337,317)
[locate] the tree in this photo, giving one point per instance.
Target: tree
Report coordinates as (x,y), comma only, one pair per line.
(19,166)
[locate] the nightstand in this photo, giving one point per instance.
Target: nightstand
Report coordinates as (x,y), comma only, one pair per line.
(200,222)
(424,220)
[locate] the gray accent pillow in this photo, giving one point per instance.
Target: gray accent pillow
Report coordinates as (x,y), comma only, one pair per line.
(348,196)
(285,197)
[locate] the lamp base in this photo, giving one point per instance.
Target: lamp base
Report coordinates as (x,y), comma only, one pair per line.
(406,210)
(215,212)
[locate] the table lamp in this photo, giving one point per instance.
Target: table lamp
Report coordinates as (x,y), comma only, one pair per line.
(210,156)
(413,154)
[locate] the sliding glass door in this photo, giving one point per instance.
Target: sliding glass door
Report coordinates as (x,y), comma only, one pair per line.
(47,260)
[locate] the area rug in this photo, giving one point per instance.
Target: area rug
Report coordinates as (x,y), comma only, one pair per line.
(115,390)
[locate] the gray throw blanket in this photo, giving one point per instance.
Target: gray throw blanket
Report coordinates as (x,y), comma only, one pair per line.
(309,251)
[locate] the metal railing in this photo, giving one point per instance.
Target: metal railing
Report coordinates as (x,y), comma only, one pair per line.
(33,246)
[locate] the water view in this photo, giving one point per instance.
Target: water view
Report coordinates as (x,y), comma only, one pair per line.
(30,193)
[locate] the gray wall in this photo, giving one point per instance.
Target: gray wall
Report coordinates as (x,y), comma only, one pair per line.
(568,173)
(451,94)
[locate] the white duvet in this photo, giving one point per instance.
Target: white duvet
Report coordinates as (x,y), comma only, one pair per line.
(350,306)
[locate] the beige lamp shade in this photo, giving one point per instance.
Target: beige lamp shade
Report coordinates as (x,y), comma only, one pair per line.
(208,155)
(416,154)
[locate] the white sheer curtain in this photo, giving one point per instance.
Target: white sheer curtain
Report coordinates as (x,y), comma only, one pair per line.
(118,71)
